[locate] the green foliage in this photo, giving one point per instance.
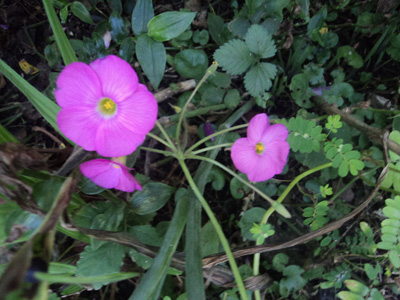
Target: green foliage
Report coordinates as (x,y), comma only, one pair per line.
(391,230)
(301,92)
(237,56)
(80,11)
(260,233)
(316,216)
(333,123)
(191,63)
(343,157)
(293,280)
(152,57)
(237,188)
(305,136)
(247,221)
(350,55)
(336,277)
(153,196)
(217,177)
(141,15)
(169,25)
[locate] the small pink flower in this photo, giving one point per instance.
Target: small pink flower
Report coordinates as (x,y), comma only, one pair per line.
(110,175)
(104,108)
(264,152)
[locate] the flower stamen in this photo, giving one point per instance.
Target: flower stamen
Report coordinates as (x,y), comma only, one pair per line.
(107,106)
(260,148)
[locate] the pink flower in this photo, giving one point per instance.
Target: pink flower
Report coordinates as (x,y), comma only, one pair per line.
(104,108)
(264,152)
(110,175)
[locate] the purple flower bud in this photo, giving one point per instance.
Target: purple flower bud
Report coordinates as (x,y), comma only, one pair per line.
(318,90)
(208,129)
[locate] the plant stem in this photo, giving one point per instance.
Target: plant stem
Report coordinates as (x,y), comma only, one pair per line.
(268,213)
(166,136)
(209,137)
(218,230)
(278,207)
(166,153)
(178,128)
(211,147)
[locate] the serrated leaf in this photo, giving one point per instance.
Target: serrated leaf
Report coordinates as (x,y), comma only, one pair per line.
(153,196)
(234,57)
(260,42)
(152,58)
(169,25)
(141,15)
(258,79)
(80,11)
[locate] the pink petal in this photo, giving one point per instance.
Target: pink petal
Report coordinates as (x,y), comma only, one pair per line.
(101,172)
(127,182)
(257,125)
(139,112)
(77,84)
(118,79)
(271,162)
(114,139)
(80,124)
(243,155)
(276,132)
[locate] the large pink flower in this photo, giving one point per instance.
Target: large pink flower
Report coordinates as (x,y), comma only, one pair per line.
(104,108)
(264,152)
(110,175)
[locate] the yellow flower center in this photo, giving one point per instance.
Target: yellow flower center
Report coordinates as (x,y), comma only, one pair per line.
(107,106)
(260,148)
(116,166)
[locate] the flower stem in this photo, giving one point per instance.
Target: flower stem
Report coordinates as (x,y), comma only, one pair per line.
(210,148)
(277,206)
(166,153)
(218,230)
(268,213)
(210,70)
(209,137)
(166,136)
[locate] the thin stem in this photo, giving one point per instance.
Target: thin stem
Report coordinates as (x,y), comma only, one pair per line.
(166,136)
(268,213)
(209,71)
(209,137)
(218,230)
(211,147)
(278,207)
(166,153)
(159,139)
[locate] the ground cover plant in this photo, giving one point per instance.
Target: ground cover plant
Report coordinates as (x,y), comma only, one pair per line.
(199,150)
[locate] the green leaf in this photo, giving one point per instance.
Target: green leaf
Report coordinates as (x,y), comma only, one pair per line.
(118,30)
(293,279)
(357,287)
(305,135)
(232,98)
(127,49)
(218,30)
(344,295)
(234,57)
(191,63)
(66,279)
(258,79)
(394,257)
(153,196)
(141,15)
(217,177)
(115,5)
(6,136)
(280,261)
(395,136)
(201,37)
(64,45)
(97,262)
(209,240)
(301,92)
(351,56)
(260,42)
(169,25)
(249,217)
(80,11)
(152,58)
(47,108)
